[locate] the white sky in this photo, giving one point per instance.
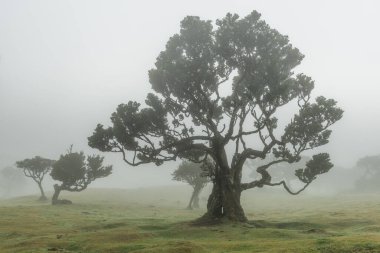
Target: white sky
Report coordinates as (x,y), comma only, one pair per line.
(66,65)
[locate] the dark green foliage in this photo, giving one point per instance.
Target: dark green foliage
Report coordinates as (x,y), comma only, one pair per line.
(318,165)
(36,168)
(189,118)
(75,171)
(69,168)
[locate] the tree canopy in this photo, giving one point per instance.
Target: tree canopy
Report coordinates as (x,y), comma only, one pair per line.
(218,87)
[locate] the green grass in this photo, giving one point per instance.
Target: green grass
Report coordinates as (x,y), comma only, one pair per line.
(154,220)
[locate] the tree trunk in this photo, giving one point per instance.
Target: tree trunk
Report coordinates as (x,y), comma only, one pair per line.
(198,189)
(194,200)
(43,196)
(57,191)
(55,200)
(189,206)
(224,203)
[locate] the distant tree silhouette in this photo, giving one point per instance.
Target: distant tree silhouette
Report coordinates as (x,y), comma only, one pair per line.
(36,168)
(10,179)
(76,172)
(370,168)
(196,176)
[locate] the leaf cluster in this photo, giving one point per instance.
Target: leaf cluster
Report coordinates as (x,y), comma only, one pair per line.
(319,164)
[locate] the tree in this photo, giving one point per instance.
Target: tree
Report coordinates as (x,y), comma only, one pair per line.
(370,167)
(36,168)
(11,180)
(191,115)
(76,172)
(196,176)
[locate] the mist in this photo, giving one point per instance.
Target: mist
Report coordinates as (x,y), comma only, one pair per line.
(215,159)
(65,66)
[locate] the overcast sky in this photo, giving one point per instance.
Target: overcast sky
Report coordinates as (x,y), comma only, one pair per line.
(66,65)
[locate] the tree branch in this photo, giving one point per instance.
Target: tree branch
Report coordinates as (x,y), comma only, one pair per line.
(287,188)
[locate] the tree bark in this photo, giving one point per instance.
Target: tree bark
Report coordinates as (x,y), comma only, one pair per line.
(55,200)
(57,191)
(224,203)
(194,200)
(43,196)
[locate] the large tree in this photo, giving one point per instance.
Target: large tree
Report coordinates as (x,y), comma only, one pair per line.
(217,94)
(36,168)
(76,172)
(196,175)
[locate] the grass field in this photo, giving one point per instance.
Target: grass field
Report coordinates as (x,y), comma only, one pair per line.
(154,220)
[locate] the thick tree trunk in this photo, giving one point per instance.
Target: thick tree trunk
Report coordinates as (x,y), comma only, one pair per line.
(57,191)
(224,201)
(224,204)
(43,196)
(55,200)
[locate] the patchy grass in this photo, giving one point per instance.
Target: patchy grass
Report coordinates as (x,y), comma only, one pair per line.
(145,221)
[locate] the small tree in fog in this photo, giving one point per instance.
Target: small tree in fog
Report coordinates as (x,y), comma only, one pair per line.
(10,179)
(36,168)
(218,91)
(76,172)
(195,175)
(370,179)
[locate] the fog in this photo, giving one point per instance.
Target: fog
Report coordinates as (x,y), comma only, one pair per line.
(66,65)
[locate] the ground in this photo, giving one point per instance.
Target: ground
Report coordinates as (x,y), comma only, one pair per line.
(155,220)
